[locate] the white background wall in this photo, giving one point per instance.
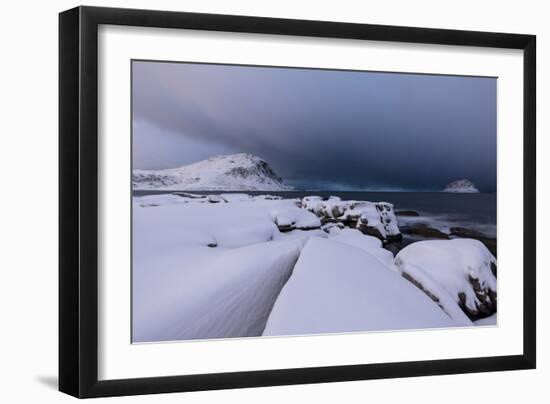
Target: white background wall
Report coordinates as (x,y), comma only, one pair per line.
(28,205)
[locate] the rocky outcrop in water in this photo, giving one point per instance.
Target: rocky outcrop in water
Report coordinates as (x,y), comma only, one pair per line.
(461,186)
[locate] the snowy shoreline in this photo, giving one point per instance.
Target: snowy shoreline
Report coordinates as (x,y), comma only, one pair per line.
(236,265)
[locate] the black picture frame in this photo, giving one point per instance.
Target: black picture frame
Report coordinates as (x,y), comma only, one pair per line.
(78,201)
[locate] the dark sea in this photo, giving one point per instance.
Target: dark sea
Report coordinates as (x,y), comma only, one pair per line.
(437,209)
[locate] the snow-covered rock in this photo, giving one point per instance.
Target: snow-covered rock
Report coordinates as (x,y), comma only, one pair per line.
(233,172)
(457,270)
(372,218)
(292,217)
(461,186)
(336,287)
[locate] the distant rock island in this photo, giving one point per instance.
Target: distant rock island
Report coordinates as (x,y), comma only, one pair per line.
(461,186)
(234,172)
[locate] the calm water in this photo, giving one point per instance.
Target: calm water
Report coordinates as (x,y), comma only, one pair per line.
(437,208)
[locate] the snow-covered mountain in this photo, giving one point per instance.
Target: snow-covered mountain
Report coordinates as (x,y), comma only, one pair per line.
(235,172)
(461,186)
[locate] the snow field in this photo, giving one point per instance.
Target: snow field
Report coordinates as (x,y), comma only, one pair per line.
(241,266)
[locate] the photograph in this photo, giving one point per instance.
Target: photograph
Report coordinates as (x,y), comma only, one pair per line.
(271,201)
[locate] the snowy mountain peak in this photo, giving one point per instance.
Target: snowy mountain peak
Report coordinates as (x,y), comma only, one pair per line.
(461,186)
(234,172)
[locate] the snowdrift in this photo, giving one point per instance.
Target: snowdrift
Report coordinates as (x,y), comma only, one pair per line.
(203,295)
(339,288)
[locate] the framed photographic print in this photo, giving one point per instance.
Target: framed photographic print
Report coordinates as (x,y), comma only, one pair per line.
(251,201)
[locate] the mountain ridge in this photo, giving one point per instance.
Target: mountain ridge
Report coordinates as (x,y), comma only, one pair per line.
(233,172)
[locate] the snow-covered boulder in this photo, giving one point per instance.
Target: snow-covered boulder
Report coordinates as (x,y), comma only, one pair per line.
(336,287)
(378,219)
(292,217)
(461,186)
(457,270)
(372,218)
(312,203)
(235,172)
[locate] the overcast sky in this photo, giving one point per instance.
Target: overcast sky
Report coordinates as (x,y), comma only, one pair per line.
(322,129)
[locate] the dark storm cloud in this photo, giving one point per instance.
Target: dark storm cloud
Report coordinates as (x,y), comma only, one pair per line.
(319,128)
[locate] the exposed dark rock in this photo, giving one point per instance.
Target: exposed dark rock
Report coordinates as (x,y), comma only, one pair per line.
(466,233)
(337,211)
(283,228)
(373,231)
(489,242)
(483,308)
(493,296)
(351,221)
(216,199)
(420,286)
(472,313)
(370,231)
(491,245)
(410,213)
(396,246)
(307,228)
(487,298)
(189,195)
(395,238)
(422,230)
